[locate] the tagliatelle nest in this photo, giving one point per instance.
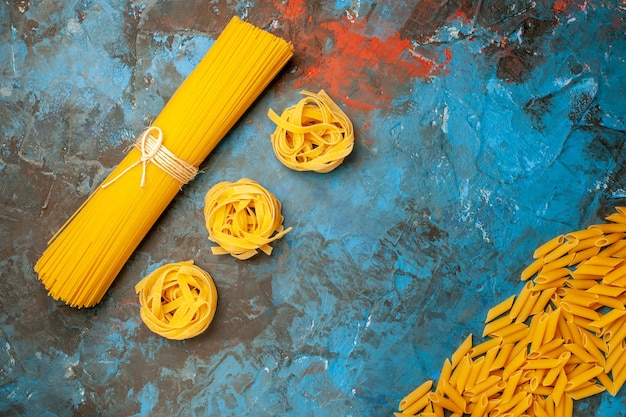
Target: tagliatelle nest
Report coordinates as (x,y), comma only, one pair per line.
(178,300)
(314,135)
(242,218)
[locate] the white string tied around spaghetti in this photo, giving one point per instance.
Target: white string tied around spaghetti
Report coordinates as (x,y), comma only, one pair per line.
(152,150)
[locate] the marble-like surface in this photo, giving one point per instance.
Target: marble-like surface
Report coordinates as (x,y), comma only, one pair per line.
(483,128)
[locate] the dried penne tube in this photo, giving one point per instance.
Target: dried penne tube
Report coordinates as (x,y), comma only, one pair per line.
(460,374)
(487,364)
(550,349)
(614,329)
(532,269)
(607,383)
(608,290)
(475,369)
(444,376)
(544,277)
(582,254)
(552,374)
(538,332)
(548,246)
(608,239)
(461,351)
(580,311)
(592,348)
(578,297)
(617,249)
(481,407)
(521,299)
(559,387)
(580,352)
(585,391)
(603,260)
(583,234)
(415,395)
(500,309)
(612,302)
(564,248)
(614,275)
(546,363)
(576,382)
(562,262)
(443,402)
(523,405)
(542,302)
(483,386)
(539,409)
(455,397)
(484,347)
(618,220)
(504,406)
(514,365)
(503,356)
(528,307)
(596,271)
(613,357)
(557,283)
(497,324)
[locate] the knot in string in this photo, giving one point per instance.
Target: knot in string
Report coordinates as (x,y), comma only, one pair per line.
(152,150)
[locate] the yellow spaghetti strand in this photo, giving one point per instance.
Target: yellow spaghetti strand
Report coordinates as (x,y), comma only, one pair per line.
(242,218)
(313,135)
(178,301)
(87,253)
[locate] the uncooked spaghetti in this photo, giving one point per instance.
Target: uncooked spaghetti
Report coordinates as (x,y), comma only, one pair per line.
(87,253)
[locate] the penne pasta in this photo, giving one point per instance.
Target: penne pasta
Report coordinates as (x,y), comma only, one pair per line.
(582,254)
(583,234)
(415,395)
(532,269)
(461,351)
(500,309)
(609,239)
(561,250)
(548,246)
(497,324)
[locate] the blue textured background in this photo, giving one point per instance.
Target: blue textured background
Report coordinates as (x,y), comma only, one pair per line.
(483,129)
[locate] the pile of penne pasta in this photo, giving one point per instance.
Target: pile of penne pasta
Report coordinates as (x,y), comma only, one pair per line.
(562,338)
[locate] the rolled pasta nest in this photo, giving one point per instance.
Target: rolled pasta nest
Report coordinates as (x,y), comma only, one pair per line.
(242,218)
(313,135)
(178,300)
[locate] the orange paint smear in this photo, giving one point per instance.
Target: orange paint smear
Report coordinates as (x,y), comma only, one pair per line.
(365,71)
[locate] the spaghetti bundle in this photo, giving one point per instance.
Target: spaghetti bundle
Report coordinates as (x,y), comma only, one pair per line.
(178,300)
(313,135)
(561,339)
(86,254)
(242,217)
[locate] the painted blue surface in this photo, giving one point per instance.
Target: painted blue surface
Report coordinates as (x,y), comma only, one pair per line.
(458,174)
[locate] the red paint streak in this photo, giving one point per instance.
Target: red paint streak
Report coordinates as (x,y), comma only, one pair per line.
(363,72)
(295,9)
(560,6)
(448,53)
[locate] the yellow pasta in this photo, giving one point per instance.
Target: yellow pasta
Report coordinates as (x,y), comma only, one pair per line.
(178,301)
(84,257)
(313,135)
(549,246)
(242,218)
(500,309)
(562,338)
(415,395)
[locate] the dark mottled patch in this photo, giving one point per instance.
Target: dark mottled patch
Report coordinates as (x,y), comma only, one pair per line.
(536,108)
(519,62)
(429,15)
